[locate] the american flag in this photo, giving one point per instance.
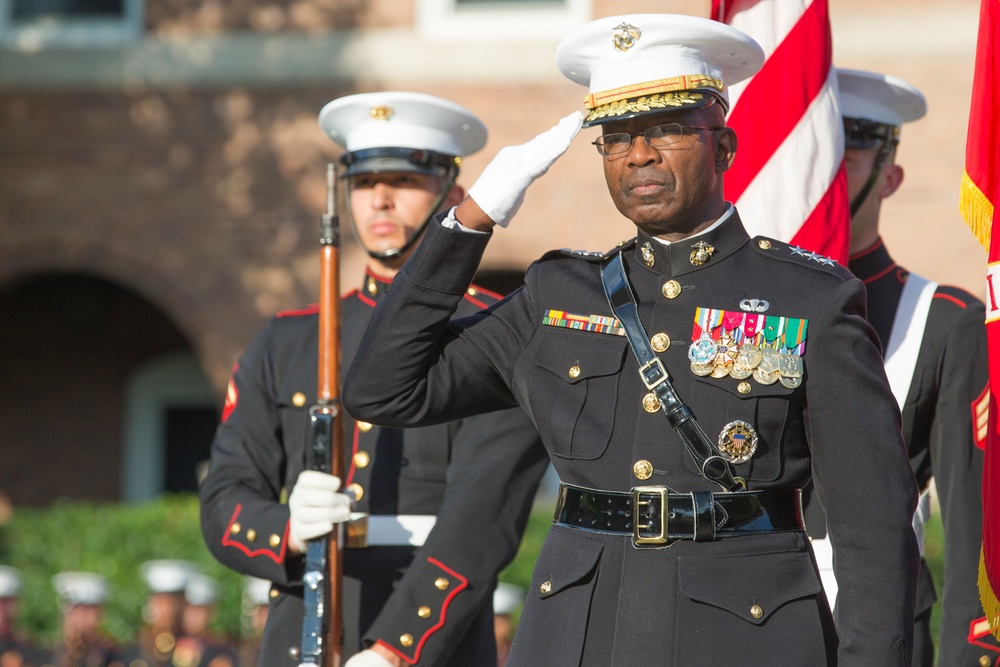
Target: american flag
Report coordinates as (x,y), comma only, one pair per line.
(788,180)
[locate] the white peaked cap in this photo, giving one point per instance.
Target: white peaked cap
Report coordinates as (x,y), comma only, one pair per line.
(882,98)
(201,590)
(10,582)
(507,598)
(402,120)
(81,587)
(257,590)
(167,576)
(665,56)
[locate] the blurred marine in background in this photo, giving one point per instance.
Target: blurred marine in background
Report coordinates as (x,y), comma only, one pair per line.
(934,347)
(446,504)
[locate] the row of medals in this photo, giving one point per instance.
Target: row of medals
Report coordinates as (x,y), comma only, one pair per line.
(725,357)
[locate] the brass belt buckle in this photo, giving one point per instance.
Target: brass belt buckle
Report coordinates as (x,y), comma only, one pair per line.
(357,531)
(661,535)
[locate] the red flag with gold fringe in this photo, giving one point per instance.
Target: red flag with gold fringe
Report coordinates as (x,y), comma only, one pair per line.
(979,193)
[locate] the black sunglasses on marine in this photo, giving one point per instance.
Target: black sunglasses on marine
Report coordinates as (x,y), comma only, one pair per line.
(657,136)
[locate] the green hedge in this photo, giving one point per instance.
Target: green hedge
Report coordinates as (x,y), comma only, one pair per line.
(115,540)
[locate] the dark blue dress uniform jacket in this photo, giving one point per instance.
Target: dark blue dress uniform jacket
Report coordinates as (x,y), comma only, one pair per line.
(479,475)
(944,429)
(597,600)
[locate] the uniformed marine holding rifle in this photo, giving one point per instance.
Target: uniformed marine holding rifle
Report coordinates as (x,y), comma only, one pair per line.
(687,385)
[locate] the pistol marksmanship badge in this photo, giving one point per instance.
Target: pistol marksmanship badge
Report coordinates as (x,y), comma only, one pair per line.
(737,442)
(626,36)
(748,344)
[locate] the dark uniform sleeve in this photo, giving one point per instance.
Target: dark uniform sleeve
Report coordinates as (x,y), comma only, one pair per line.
(243,523)
(958,469)
(863,477)
(465,380)
(497,462)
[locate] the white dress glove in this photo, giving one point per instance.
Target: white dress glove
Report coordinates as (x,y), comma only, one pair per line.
(314,506)
(500,189)
(367,659)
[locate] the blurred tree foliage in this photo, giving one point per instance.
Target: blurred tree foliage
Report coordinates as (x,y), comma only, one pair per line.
(112,540)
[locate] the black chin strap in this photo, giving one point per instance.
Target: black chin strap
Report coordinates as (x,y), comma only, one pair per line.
(392,253)
(880,159)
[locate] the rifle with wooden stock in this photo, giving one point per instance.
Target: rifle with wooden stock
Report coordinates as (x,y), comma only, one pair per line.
(322,626)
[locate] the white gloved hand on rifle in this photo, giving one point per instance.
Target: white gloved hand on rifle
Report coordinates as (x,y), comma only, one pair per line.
(369,658)
(314,507)
(500,189)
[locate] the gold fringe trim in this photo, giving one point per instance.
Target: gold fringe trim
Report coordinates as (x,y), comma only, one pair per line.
(991,605)
(684,82)
(976,210)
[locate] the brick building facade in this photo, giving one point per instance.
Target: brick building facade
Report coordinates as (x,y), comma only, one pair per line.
(161,181)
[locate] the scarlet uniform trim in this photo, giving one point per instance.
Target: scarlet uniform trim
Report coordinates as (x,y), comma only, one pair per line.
(978,629)
(948,297)
(870,249)
(226,542)
(444,613)
(354,450)
(297,312)
(980,418)
(232,396)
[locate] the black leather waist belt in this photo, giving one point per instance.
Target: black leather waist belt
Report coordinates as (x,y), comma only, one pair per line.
(654,515)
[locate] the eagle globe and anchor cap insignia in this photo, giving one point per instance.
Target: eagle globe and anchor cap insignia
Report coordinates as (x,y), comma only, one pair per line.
(381,112)
(626,36)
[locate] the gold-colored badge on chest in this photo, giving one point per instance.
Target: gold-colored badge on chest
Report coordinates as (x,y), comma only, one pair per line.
(647,254)
(701,252)
(737,442)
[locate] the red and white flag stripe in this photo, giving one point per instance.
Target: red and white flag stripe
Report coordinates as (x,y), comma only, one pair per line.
(788,180)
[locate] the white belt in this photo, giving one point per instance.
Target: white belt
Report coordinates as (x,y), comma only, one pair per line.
(824,551)
(380,530)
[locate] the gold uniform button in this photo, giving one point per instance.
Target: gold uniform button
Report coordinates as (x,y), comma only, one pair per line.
(441,584)
(764,244)
(545,587)
(372,286)
(274,540)
(298,399)
(251,535)
(424,612)
(671,289)
(642,469)
(364,427)
(756,611)
(743,387)
(985,661)
(472,291)
(273,593)
(356,490)
(406,640)
(650,403)
(574,371)
(362,459)
(235,528)
(660,342)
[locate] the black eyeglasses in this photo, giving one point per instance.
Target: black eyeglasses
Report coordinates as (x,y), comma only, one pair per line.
(658,136)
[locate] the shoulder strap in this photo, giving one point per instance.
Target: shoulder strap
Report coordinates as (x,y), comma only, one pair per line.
(619,293)
(907,333)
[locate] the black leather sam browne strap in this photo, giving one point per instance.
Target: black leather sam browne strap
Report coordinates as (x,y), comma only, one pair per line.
(619,292)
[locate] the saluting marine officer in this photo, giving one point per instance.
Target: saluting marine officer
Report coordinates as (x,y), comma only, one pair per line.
(757,352)
(406,604)
(934,345)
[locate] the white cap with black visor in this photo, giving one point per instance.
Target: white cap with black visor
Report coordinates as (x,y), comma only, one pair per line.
(390,132)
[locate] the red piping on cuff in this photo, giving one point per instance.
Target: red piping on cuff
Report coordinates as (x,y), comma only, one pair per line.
(276,557)
(444,613)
